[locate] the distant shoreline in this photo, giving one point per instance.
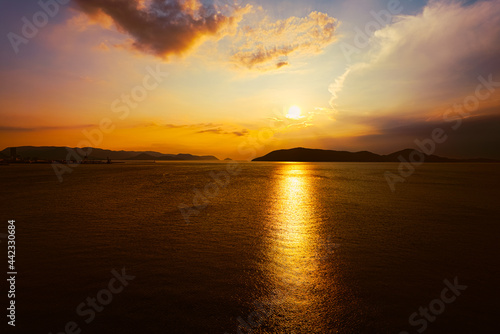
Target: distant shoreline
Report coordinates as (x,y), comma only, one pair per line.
(301,154)
(68,156)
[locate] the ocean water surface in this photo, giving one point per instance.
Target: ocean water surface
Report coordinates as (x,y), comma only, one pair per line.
(277,248)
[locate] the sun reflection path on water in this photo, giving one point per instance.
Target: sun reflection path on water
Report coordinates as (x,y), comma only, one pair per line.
(295,249)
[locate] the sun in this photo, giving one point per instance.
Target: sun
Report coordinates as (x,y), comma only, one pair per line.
(294,112)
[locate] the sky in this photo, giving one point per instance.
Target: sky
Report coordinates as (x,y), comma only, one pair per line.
(242,78)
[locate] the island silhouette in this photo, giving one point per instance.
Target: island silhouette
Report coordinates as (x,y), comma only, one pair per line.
(298,154)
(61,153)
(301,154)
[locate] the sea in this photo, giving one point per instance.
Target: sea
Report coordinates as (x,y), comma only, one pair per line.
(252,247)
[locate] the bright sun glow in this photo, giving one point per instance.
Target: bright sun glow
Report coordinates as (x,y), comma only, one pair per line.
(294,112)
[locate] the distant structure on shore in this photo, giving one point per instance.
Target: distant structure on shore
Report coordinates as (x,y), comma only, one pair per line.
(14,158)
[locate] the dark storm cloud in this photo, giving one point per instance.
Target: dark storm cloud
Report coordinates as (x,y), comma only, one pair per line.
(474,137)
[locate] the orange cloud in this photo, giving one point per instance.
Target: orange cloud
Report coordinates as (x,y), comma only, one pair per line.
(269,45)
(211,128)
(175,27)
(166,27)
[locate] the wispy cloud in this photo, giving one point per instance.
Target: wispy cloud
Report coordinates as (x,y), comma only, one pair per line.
(182,126)
(44,128)
(269,44)
(219,129)
(176,27)
(425,61)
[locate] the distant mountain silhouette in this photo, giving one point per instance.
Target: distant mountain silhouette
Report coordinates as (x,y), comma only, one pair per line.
(301,154)
(171,157)
(60,153)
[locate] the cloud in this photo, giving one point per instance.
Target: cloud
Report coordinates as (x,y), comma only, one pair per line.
(103,47)
(176,27)
(422,63)
(166,27)
(182,126)
(269,45)
(220,131)
(477,137)
(200,128)
(45,128)
(241,133)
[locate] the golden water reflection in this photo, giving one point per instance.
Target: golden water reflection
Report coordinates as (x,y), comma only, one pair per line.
(294,254)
